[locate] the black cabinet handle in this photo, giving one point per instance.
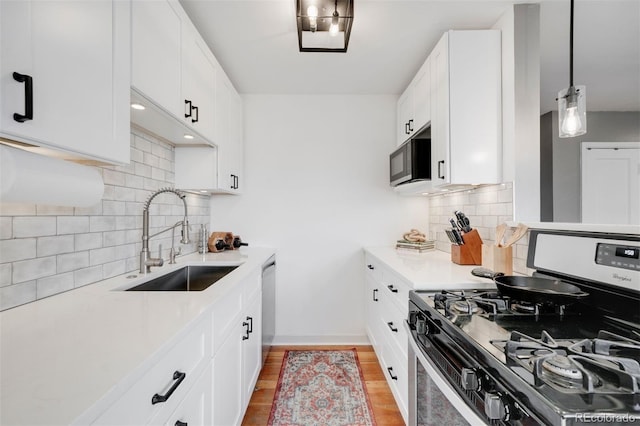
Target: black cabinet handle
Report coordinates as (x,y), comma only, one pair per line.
(179,423)
(375,292)
(392,288)
(411,125)
(246,336)
(371,267)
(390,325)
(234,182)
(188,108)
(406,128)
(440,175)
(28,97)
(250,324)
(237,182)
(178,377)
(390,370)
(195,120)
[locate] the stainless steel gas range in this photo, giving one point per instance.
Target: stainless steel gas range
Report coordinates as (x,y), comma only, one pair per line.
(480,357)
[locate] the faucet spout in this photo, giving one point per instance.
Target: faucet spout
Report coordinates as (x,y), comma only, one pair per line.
(146,261)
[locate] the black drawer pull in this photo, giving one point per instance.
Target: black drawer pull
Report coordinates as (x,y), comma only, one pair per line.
(179,423)
(28,97)
(391,327)
(406,128)
(247,331)
(195,120)
(392,288)
(371,267)
(440,175)
(178,377)
(375,294)
(250,324)
(390,370)
(188,108)
(411,125)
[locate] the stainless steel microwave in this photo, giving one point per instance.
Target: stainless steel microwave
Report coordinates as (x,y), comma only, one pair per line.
(411,162)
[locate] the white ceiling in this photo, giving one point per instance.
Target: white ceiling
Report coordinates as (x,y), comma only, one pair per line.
(256,43)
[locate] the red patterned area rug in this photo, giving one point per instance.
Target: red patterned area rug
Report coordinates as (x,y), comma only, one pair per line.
(321,388)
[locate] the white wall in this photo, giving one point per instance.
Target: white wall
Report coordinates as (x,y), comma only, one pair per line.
(316,173)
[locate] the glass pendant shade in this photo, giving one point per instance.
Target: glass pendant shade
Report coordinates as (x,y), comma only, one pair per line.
(324,25)
(572,112)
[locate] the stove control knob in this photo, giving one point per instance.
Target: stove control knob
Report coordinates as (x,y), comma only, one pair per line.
(496,407)
(470,380)
(421,326)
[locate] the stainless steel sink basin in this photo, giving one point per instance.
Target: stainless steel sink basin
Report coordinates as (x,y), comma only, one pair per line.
(189,278)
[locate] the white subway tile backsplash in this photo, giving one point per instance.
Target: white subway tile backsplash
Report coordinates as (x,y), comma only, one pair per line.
(45,250)
(33,226)
(52,285)
(6,227)
(5,274)
(17,294)
(47,246)
(84,276)
(72,224)
(87,241)
(72,261)
(17,249)
(32,269)
(102,223)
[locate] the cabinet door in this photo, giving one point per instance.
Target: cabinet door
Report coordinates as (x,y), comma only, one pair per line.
(421,89)
(404,115)
(440,113)
(198,83)
(156,49)
(227,379)
(228,135)
(80,84)
(252,348)
(195,409)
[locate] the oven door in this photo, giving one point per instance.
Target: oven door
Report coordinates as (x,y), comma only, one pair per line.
(432,400)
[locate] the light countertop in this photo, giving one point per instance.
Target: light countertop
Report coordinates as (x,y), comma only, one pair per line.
(60,355)
(430,270)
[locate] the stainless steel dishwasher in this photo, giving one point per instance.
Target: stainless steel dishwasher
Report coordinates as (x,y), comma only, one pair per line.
(268,305)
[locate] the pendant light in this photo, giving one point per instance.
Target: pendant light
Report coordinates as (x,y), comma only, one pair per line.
(572,105)
(324,25)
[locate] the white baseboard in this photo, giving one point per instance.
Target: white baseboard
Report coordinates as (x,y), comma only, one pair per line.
(320,340)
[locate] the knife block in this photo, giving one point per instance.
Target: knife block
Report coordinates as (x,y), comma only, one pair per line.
(470,253)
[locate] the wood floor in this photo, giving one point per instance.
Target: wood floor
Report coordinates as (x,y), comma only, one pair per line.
(384,406)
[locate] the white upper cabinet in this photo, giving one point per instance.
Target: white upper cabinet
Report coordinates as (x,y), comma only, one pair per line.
(466,109)
(198,83)
(414,105)
(65,70)
(156,34)
(229,136)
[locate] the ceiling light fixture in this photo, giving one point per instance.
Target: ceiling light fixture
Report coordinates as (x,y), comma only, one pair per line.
(188,136)
(572,104)
(324,25)
(138,106)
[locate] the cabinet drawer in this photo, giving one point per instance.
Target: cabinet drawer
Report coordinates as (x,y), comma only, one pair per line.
(168,376)
(373,267)
(394,368)
(391,319)
(397,288)
(196,409)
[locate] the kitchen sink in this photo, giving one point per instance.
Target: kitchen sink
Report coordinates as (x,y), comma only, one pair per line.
(189,278)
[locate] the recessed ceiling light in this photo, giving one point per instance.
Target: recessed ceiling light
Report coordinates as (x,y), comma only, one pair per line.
(187,136)
(138,106)
(204,191)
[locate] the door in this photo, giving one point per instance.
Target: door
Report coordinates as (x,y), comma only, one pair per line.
(252,348)
(440,164)
(611,183)
(227,379)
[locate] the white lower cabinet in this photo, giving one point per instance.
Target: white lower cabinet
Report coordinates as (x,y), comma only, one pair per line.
(206,377)
(386,301)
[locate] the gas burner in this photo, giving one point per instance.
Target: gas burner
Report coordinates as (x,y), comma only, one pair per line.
(562,366)
(525,308)
(609,363)
(464,307)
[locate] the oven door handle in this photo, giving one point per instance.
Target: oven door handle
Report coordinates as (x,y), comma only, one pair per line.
(443,384)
